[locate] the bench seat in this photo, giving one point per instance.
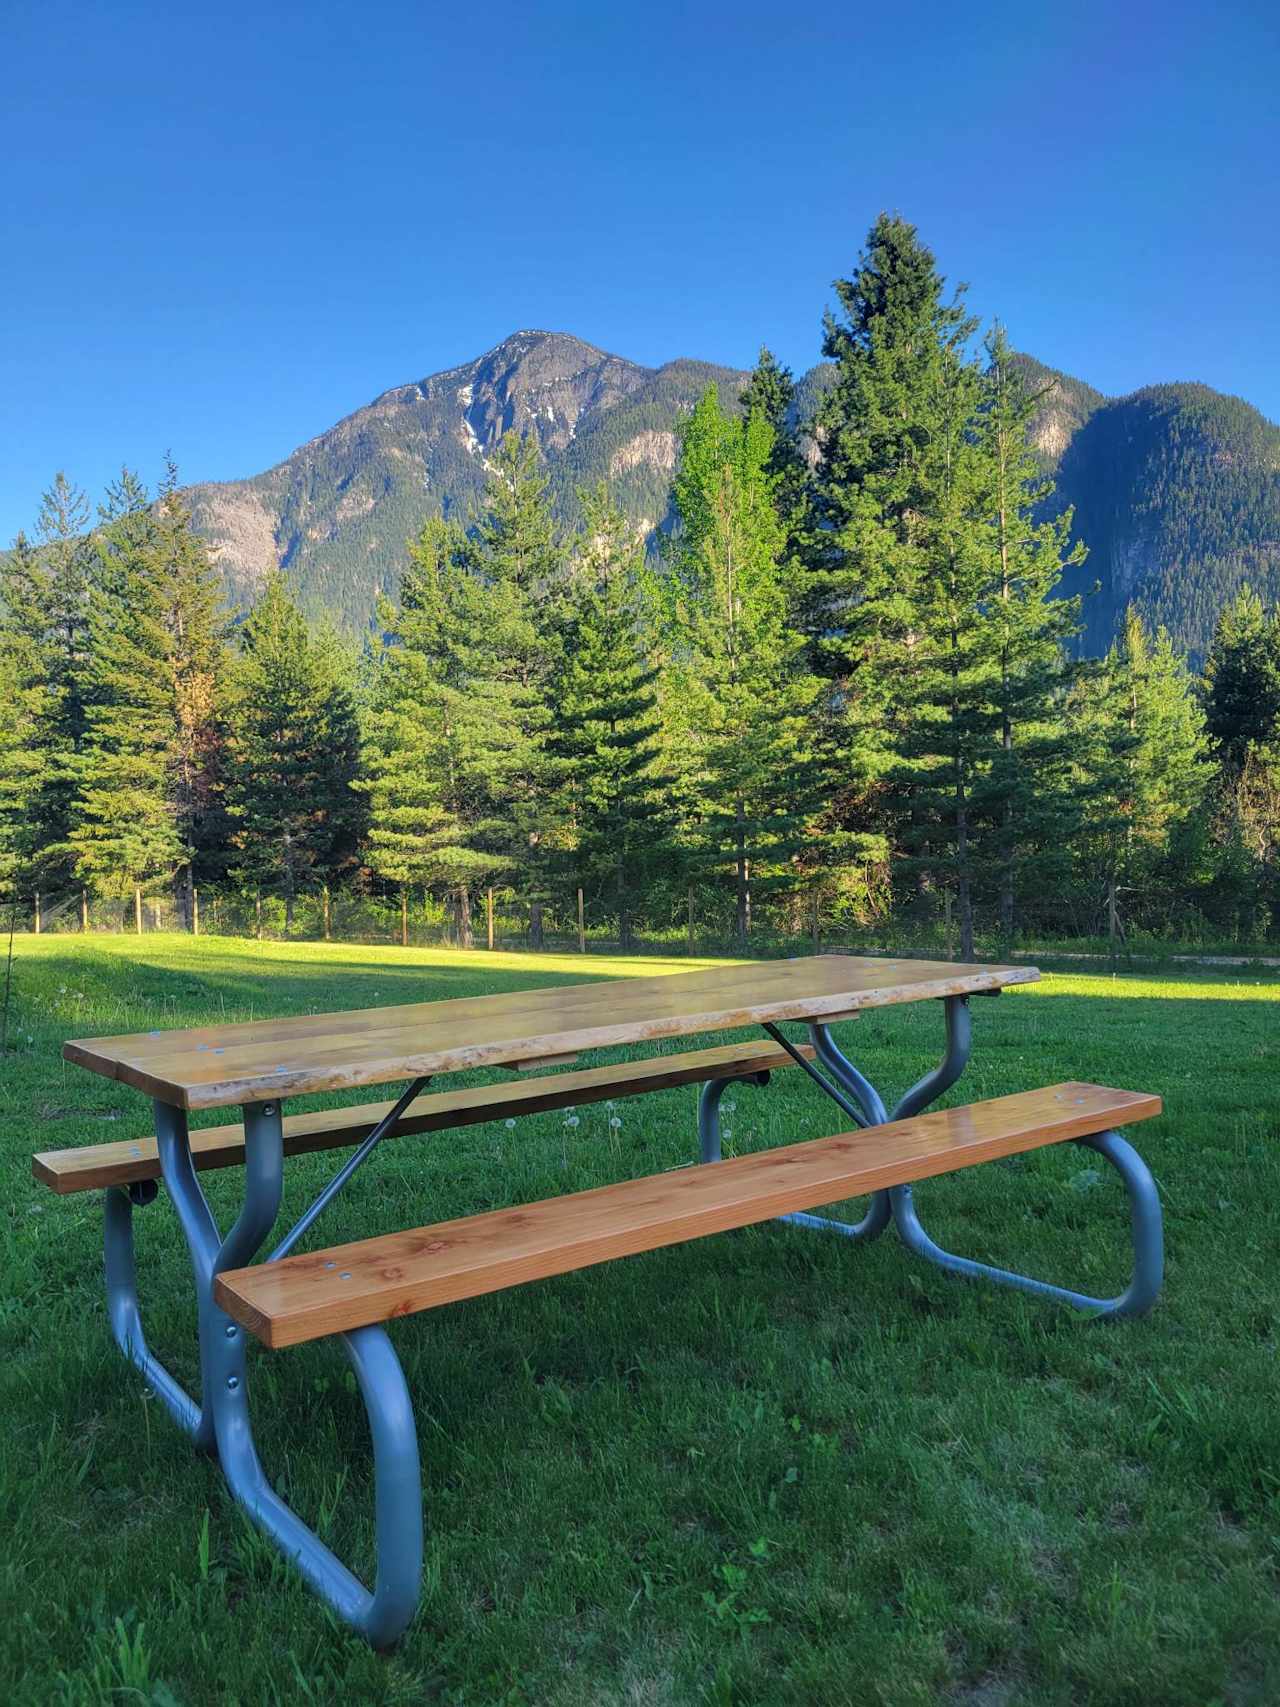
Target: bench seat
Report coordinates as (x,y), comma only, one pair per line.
(350,1286)
(90,1167)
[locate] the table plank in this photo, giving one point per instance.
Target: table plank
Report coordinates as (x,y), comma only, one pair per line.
(214,1066)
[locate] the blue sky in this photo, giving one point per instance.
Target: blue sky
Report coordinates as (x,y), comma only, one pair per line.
(224,227)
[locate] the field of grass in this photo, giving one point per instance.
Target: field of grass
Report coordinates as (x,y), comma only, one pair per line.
(765,1468)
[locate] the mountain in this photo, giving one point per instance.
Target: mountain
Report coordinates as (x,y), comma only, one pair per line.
(338,511)
(1175,489)
(1176,492)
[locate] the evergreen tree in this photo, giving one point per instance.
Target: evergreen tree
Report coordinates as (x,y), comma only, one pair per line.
(28,720)
(607,731)
(739,704)
(295,752)
(1138,737)
(428,804)
(124,831)
(1025,800)
(146,802)
(1242,721)
(771,392)
(886,469)
(506,663)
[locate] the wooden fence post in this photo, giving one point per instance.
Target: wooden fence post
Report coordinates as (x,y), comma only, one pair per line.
(488,902)
(691,920)
(257,914)
(324,898)
(84,910)
(36,927)
(195,911)
(582,928)
(404,918)
(137,909)
(814,922)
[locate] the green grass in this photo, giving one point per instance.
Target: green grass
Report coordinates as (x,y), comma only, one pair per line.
(762,1468)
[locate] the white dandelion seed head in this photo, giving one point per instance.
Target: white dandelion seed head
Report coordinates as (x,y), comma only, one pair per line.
(615,1123)
(510,1125)
(572,1120)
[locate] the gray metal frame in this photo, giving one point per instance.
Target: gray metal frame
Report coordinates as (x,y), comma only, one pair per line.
(220,1423)
(858,1097)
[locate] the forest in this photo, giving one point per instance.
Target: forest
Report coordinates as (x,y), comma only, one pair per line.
(843,694)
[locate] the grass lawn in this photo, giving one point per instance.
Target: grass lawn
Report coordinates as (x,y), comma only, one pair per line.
(762,1468)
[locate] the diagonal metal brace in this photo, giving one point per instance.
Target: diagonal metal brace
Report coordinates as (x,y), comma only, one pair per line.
(348,1168)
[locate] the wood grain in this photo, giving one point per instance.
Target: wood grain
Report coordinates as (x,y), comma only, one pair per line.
(214,1066)
(349,1286)
(93,1167)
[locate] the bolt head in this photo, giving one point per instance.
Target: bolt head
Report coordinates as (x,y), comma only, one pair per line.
(233,1381)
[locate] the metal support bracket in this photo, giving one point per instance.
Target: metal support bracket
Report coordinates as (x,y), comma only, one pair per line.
(897,1206)
(220,1423)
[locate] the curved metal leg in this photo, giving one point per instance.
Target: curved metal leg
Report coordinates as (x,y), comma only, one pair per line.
(126,1319)
(1148,1239)
(221,1421)
(842,1070)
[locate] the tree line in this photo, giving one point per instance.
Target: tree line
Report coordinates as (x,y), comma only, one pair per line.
(841,681)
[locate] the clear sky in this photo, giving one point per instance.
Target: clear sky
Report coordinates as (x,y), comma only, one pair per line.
(225,226)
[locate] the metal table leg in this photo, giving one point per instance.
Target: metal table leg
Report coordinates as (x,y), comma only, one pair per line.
(858,1097)
(221,1424)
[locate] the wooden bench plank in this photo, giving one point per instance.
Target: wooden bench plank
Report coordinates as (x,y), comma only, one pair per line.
(349,1286)
(91,1167)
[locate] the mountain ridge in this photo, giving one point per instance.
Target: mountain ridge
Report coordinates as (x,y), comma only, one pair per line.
(1175,487)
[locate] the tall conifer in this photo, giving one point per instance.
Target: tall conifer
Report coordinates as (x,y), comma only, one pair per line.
(607,730)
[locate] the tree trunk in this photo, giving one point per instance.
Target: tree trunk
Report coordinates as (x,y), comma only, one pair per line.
(1113,912)
(742,871)
(324,911)
(36,920)
(691,922)
(535,924)
(489,913)
(465,938)
(257,914)
(84,910)
(195,911)
(582,926)
(404,918)
(137,910)
(288,884)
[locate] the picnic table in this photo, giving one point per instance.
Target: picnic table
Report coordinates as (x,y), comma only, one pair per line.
(353,1290)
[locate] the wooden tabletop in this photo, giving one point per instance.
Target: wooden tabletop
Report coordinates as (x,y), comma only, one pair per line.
(217,1065)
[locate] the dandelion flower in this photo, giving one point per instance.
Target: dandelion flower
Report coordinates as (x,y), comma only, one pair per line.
(615,1123)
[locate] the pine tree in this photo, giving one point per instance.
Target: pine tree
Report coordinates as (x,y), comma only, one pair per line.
(1138,738)
(147,779)
(1242,721)
(29,749)
(886,435)
(435,727)
(771,392)
(295,750)
(607,731)
(739,704)
(124,831)
(1025,800)
(44,624)
(516,565)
